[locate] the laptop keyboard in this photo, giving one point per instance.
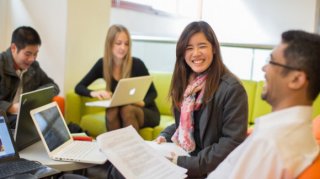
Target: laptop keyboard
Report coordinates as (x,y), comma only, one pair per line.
(77,150)
(18,167)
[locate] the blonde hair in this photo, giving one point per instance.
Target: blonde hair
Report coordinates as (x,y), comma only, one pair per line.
(108,63)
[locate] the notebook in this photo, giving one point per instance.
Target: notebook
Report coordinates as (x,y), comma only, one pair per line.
(25,132)
(58,141)
(128,91)
(10,162)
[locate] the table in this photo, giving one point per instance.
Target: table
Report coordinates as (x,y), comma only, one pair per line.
(38,153)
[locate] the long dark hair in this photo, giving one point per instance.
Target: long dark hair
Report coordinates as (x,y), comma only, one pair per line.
(182,71)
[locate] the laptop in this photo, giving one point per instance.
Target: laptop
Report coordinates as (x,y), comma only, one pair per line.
(128,91)
(10,162)
(58,141)
(25,132)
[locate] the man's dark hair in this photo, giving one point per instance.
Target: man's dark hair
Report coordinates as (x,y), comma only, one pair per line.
(24,36)
(303,52)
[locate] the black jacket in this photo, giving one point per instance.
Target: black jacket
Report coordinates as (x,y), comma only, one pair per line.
(222,126)
(33,79)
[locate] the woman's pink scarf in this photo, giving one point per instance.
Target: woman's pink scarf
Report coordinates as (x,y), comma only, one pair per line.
(191,102)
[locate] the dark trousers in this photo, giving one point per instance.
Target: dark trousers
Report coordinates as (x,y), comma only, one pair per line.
(113,173)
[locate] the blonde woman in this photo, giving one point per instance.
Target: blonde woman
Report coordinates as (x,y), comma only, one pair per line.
(117,63)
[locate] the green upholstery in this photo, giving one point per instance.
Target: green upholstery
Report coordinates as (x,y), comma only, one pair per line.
(316,107)
(92,119)
(162,82)
(260,106)
(94,123)
(250,87)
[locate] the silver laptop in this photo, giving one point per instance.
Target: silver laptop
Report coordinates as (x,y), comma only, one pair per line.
(11,165)
(58,141)
(25,131)
(128,91)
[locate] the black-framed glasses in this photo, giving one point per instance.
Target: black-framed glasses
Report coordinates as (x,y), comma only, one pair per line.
(271,61)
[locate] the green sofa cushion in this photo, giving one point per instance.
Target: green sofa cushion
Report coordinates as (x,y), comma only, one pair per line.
(94,123)
(162,82)
(250,87)
(261,107)
(316,107)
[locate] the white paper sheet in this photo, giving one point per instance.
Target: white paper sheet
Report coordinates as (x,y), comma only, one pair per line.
(135,159)
(166,148)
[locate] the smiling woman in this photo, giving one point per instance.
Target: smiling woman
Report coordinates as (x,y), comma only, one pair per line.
(210,103)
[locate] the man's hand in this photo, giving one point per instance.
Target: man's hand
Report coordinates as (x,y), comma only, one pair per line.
(14,108)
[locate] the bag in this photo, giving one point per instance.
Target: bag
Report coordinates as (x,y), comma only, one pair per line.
(74,128)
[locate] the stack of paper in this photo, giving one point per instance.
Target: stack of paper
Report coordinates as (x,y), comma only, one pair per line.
(165,149)
(134,158)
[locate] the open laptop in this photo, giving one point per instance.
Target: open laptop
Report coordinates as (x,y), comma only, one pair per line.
(25,132)
(58,141)
(10,162)
(128,91)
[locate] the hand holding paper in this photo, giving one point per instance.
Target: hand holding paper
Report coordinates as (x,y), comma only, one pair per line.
(166,148)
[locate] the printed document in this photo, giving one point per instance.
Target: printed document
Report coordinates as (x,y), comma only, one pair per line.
(165,149)
(134,158)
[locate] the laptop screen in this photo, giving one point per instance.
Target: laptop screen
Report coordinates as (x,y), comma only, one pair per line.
(52,127)
(6,143)
(26,133)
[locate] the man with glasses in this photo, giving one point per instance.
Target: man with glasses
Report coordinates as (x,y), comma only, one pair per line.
(282,144)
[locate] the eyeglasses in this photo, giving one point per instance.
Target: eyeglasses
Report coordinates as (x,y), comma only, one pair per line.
(270,61)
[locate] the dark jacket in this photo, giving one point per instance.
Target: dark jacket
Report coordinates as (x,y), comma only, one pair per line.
(222,125)
(33,79)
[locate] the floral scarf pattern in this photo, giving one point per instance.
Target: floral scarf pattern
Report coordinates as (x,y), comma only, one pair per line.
(183,136)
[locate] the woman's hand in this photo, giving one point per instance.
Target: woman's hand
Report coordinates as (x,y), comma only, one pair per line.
(160,139)
(101,94)
(140,103)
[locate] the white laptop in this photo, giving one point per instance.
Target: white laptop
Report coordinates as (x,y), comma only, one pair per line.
(58,141)
(128,91)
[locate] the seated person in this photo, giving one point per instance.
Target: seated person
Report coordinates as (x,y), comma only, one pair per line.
(20,72)
(116,64)
(210,103)
(282,144)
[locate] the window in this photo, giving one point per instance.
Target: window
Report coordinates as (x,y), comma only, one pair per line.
(180,8)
